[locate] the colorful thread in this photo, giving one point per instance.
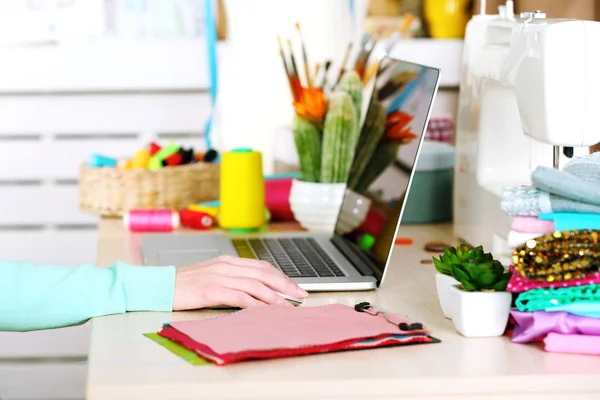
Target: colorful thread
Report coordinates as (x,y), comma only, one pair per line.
(196,220)
(161,220)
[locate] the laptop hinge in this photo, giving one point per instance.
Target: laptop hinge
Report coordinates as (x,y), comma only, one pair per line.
(356,257)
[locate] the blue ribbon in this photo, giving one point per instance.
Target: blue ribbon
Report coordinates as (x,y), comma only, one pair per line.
(211,46)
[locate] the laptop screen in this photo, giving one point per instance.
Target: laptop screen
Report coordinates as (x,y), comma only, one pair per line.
(393,128)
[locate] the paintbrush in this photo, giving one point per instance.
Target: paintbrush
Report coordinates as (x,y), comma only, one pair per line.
(295,76)
(304,56)
(362,60)
(316,73)
(287,70)
(325,71)
(343,64)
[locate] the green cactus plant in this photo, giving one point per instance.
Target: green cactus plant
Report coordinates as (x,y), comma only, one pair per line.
(308,146)
(373,130)
(340,136)
(473,268)
(351,83)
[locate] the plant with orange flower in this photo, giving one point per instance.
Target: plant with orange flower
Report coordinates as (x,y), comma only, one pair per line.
(326,129)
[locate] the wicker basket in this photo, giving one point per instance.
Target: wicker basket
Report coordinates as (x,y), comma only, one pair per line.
(111,192)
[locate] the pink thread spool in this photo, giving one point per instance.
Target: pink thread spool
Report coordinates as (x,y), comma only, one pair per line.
(277,193)
(151,220)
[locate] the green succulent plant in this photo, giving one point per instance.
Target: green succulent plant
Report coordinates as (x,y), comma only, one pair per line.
(475,269)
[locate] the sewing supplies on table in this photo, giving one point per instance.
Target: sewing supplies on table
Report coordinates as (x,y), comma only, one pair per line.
(279,331)
(154,157)
(196,219)
(242,191)
(151,220)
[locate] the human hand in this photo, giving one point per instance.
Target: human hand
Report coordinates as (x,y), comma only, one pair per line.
(232,281)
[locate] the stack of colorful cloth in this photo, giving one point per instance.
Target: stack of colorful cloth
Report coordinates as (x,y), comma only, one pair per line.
(556,262)
(557,200)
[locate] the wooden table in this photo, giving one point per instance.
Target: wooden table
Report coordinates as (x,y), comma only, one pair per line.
(126,365)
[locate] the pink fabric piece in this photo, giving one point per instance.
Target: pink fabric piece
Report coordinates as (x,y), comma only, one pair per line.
(519,284)
(281,327)
(572,344)
(532,225)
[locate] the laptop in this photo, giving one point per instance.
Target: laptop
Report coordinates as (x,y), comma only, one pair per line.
(357,254)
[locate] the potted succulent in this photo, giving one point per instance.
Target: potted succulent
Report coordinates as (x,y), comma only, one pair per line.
(444,279)
(480,304)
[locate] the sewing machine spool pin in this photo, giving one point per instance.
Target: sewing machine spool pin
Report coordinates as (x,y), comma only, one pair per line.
(555,156)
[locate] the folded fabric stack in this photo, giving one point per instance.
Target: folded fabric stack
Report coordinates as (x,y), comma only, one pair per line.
(558,200)
(556,274)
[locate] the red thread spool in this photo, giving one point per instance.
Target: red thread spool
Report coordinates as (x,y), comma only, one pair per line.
(196,220)
(154,148)
(151,220)
(174,159)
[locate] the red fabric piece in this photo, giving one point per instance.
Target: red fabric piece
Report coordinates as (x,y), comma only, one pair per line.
(225,359)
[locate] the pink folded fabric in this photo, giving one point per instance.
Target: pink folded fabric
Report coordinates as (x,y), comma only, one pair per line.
(532,225)
(572,344)
(519,284)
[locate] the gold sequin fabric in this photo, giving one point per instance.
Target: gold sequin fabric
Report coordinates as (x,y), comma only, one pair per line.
(559,256)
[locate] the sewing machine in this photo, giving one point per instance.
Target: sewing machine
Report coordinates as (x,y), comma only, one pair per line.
(529,96)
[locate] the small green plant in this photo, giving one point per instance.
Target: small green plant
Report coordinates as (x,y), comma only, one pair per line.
(476,270)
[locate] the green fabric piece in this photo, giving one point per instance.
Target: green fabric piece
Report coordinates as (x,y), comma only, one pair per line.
(545,298)
(177,349)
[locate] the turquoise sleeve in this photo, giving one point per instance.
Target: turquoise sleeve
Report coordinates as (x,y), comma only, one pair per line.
(37,296)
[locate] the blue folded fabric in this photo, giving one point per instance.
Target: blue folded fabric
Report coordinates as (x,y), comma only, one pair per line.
(579,180)
(530,201)
(572,221)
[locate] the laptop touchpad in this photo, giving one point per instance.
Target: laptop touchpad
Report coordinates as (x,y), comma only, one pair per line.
(180,258)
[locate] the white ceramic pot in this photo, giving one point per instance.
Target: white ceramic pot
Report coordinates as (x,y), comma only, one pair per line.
(444,283)
(480,314)
(316,205)
(354,211)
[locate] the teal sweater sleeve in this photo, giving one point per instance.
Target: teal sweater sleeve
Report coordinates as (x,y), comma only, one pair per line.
(36,296)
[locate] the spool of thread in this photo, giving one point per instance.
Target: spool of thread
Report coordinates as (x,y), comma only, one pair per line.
(140,159)
(161,220)
(154,148)
(163,154)
(212,211)
(174,159)
(211,155)
(98,160)
(124,164)
(196,220)
(277,192)
(242,191)
(187,156)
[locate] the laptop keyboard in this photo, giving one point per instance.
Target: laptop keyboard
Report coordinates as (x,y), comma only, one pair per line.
(298,257)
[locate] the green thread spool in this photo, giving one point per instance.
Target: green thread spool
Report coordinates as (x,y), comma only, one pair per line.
(156,160)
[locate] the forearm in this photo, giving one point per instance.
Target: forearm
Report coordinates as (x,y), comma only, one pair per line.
(34,296)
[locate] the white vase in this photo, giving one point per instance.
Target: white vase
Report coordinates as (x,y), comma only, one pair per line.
(480,314)
(355,208)
(444,283)
(316,205)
